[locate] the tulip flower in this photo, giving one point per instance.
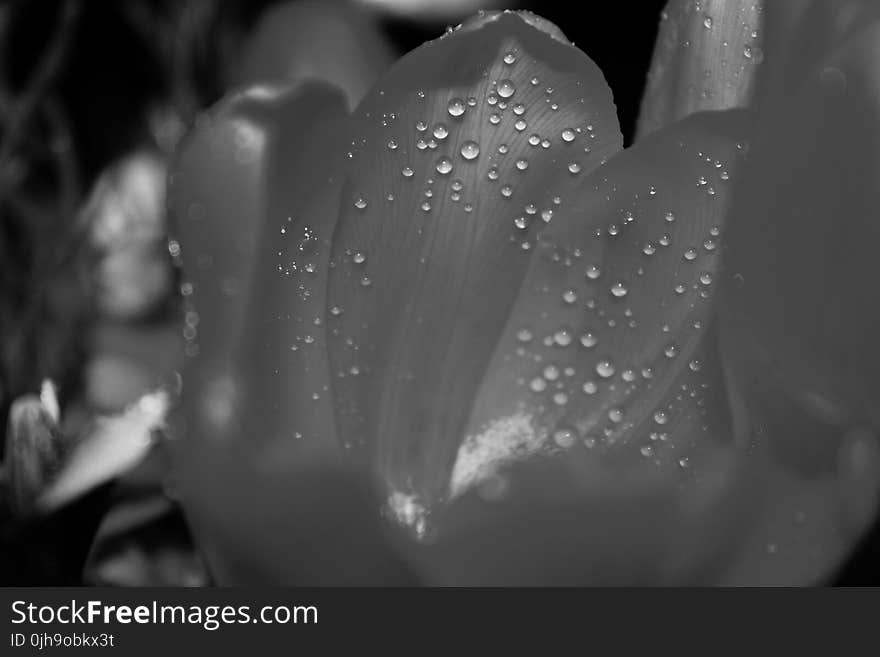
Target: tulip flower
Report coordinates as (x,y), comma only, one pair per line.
(462,337)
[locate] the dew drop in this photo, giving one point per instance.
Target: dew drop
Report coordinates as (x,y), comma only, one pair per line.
(522,164)
(407,172)
(589,340)
(510,58)
(520,125)
(605,369)
(661,417)
(470,150)
(568,135)
(574,167)
(564,438)
(619,290)
(506,88)
(593,272)
(590,388)
(360,203)
(440,131)
(569,296)
(444,165)
(690,254)
(455,107)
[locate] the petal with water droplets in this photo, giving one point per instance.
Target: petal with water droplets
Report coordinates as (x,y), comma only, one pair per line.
(613,309)
(255,202)
(466,140)
(705,58)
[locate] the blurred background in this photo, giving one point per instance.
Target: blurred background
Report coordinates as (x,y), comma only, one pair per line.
(93,100)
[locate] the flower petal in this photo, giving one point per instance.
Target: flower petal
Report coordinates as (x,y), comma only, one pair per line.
(255,204)
(705,58)
(241,190)
(613,307)
(800,315)
(462,137)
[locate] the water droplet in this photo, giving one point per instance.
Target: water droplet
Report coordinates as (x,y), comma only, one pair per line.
(562,337)
(524,335)
(649,249)
(506,191)
(574,167)
(593,272)
(521,222)
(470,150)
(392,145)
(707,22)
(360,203)
(494,119)
(615,415)
(551,372)
(455,107)
(695,365)
(670,217)
(359,258)
(568,135)
(520,125)
(605,369)
(426,207)
(565,438)
(690,254)
(510,58)
(589,340)
(506,88)
(538,384)
(493,173)
(519,109)
(522,164)
(590,388)
(407,172)
(569,296)
(366,282)
(440,131)
(619,289)
(560,399)
(444,165)
(661,417)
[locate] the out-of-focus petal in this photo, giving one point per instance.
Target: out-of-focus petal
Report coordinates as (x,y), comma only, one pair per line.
(706,58)
(241,189)
(799,312)
(260,433)
(612,310)
(336,42)
(114,446)
(465,139)
(800,35)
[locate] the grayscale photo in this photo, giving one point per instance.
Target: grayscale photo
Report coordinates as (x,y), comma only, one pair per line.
(432,294)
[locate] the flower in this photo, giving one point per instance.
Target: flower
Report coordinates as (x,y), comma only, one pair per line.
(467,305)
